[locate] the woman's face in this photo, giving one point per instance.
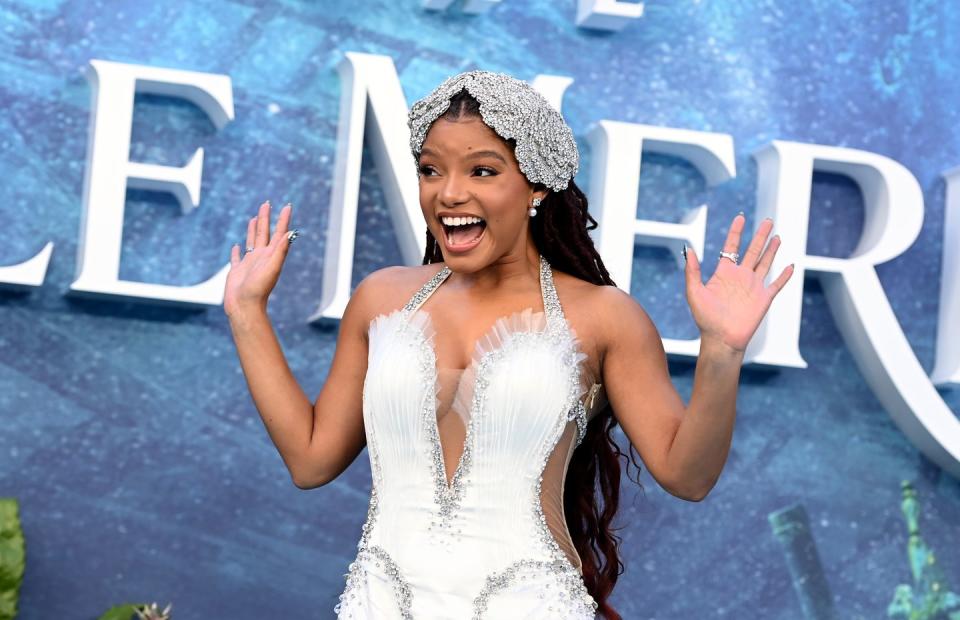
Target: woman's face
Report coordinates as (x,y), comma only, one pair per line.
(468,171)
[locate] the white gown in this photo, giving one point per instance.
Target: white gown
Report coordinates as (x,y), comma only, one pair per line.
(493,543)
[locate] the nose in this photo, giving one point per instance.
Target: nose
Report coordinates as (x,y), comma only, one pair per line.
(453,191)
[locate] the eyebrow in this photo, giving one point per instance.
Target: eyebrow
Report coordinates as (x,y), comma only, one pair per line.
(476,154)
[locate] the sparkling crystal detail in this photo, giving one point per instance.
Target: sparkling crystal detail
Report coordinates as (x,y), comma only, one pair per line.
(545,146)
(579,605)
(561,330)
(572,592)
(358,574)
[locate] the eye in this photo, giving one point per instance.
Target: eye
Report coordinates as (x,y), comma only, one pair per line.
(425,169)
(484,168)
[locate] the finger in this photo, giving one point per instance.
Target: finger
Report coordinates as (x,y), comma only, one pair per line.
(766,259)
(692,272)
(234,255)
(251,234)
(283,223)
(732,243)
(752,256)
(263,225)
(777,285)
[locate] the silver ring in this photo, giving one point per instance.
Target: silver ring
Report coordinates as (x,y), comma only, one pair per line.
(731,255)
(250,249)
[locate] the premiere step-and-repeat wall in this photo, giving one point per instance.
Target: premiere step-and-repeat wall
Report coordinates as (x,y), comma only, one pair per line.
(137,139)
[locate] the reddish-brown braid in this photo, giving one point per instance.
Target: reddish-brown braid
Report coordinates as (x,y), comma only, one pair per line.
(560,232)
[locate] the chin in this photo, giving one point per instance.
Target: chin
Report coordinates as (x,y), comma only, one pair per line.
(475,261)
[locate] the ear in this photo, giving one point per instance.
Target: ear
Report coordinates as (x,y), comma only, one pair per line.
(540,191)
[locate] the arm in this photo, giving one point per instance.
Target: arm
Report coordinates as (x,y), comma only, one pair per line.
(282,404)
(702,443)
(685,447)
(317,441)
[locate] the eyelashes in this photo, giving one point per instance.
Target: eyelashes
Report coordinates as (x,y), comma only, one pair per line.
(425,170)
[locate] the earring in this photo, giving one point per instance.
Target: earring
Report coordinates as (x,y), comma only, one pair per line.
(533,210)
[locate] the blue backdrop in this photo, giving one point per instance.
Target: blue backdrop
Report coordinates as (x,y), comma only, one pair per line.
(141,466)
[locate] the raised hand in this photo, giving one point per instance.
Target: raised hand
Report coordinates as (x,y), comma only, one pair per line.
(733,302)
(252,277)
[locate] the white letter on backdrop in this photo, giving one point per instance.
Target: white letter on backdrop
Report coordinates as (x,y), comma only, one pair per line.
(29,273)
(946,367)
(369,85)
(893,205)
(614,188)
(607,14)
(109,172)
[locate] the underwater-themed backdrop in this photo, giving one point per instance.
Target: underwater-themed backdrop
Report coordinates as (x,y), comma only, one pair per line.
(141,469)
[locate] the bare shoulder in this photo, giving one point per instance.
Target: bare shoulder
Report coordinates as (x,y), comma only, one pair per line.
(605,311)
(389,288)
(620,312)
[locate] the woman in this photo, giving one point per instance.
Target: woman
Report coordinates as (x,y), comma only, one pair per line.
(486,382)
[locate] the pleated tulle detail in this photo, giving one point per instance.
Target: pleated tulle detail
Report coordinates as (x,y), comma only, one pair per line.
(495,338)
(468,468)
(453,388)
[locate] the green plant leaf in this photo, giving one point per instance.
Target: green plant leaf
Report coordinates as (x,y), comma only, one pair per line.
(121,612)
(12,557)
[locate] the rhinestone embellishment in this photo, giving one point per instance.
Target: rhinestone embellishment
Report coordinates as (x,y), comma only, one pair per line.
(545,147)
(448,497)
(576,605)
(564,588)
(357,573)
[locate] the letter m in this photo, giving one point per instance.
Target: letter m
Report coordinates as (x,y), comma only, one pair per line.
(370,88)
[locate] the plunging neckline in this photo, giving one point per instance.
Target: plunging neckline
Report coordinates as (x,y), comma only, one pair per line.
(451,485)
(451,488)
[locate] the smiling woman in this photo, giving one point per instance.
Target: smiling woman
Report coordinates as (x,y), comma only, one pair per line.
(487,382)
(470,185)
(478,201)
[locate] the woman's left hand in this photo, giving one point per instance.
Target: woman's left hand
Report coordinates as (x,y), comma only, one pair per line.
(730,306)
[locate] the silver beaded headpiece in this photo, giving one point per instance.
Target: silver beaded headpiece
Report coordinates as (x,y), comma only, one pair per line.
(545,148)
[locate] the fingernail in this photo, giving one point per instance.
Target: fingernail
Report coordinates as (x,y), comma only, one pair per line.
(740,213)
(684,252)
(289,204)
(266,202)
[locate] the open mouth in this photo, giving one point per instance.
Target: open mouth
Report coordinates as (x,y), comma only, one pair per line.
(463,233)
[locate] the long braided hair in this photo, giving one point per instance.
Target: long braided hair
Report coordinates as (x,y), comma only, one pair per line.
(560,233)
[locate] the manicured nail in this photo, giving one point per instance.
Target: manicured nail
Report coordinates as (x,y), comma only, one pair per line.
(289,204)
(684,252)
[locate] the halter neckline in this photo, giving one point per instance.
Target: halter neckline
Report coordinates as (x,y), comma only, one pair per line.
(548,294)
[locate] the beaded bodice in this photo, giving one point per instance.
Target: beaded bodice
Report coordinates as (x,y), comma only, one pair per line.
(490,541)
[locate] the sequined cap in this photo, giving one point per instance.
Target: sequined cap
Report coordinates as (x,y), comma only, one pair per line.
(545,147)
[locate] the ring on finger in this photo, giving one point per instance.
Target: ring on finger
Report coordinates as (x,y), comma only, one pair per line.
(731,255)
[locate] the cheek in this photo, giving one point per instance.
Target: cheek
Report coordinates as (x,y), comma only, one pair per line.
(504,207)
(426,201)
(424,195)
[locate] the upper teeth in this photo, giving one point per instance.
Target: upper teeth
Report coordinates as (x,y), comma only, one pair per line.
(459,221)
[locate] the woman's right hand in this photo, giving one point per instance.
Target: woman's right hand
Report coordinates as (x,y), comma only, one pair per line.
(252,277)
